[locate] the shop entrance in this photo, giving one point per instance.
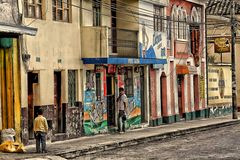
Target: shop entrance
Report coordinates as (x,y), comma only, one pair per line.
(111,100)
(32,112)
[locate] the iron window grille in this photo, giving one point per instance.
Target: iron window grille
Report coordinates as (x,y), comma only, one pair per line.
(61,10)
(158,18)
(71,87)
(33,9)
(128,81)
(96,12)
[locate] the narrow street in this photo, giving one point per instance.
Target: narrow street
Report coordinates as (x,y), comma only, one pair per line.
(221,143)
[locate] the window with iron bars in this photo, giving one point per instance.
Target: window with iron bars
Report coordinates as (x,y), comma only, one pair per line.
(72,87)
(33,9)
(96,12)
(98,86)
(128,81)
(158,18)
(61,10)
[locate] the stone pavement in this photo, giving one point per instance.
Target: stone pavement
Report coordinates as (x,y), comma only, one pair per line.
(86,145)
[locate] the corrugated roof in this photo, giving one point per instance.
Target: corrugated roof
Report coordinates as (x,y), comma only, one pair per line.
(221,7)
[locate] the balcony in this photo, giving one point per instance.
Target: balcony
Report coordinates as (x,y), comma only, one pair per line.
(105,42)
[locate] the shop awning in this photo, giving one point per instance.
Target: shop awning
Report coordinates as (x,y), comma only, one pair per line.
(123,61)
(17,29)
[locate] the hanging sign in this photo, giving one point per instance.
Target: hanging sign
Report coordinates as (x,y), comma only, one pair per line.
(221,45)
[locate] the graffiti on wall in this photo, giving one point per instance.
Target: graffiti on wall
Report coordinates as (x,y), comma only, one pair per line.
(95,113)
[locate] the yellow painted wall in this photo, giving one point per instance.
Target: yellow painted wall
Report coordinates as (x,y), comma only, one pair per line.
(215,84)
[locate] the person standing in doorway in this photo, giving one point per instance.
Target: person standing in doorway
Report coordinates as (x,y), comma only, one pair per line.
(122,108)
(40,131)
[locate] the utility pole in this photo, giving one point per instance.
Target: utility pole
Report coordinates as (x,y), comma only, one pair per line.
(234,84)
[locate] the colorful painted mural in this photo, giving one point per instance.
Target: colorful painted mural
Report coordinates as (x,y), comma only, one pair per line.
(95,113)
(134,102)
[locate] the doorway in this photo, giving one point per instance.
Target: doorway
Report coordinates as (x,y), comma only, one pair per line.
(143,119)
(180,82)
(32,112)
(163,84)
(60,110)
(110,100)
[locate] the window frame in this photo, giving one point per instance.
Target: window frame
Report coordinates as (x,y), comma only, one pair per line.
(59,8)
(158,21)
(98,86)
(34,5)
(72,96)
(96,12)
(128,81)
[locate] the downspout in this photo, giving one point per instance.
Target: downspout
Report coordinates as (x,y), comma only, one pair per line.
(206,46)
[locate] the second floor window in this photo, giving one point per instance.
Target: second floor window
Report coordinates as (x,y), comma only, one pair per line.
(33,9)
(128,81)
(158,18)
(61,10)
(96,12)
(195,39)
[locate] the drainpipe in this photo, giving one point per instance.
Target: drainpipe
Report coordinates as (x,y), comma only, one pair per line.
(206,46)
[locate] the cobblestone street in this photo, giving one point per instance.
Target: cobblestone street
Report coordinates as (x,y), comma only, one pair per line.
(221,143)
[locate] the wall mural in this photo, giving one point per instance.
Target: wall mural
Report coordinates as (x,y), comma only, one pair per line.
(134,103)
(95,113)
(154,47)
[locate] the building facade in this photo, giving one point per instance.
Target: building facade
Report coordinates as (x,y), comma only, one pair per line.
(85,51)
(115,54)
(220,64)
(51,70)
(186,69)
(11,31)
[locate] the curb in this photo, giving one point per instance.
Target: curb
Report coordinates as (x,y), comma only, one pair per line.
(157,137)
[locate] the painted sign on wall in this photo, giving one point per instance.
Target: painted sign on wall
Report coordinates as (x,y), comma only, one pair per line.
(153,44)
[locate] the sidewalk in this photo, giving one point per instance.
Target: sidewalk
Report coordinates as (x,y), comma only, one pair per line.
(98,143)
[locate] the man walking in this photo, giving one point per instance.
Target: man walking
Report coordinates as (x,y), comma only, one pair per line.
(40,131)
(122,108)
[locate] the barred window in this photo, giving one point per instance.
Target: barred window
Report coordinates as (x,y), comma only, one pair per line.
(61,10)
(33,9)
(128,81)
(98,86)
(71,87)
(96,12)
(158,18)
